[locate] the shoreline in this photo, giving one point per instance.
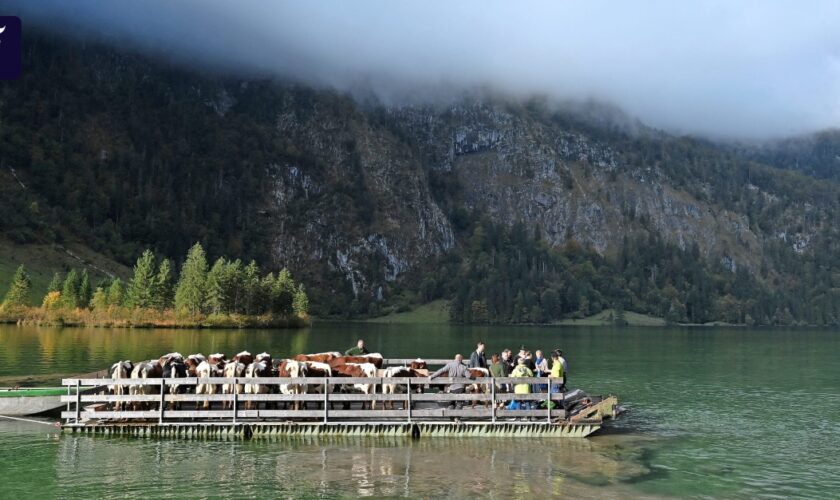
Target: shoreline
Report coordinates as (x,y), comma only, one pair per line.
(148,319)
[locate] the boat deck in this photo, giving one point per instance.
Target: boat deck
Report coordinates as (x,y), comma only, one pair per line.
(420,406)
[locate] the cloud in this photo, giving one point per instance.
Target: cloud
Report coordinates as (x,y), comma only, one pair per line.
(745,69)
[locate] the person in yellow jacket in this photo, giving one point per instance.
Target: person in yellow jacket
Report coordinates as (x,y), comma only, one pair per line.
(558,373)
(521,371)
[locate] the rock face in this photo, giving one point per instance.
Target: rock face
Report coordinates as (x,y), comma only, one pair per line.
(497,158)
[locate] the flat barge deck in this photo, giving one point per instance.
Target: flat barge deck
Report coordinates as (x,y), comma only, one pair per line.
(412,406)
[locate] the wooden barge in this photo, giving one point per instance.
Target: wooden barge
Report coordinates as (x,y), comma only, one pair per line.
(423,407)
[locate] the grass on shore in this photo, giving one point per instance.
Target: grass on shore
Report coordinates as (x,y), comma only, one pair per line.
(435,312)
(606,318)
(120,317)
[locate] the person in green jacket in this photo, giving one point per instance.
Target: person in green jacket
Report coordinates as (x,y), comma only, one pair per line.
(522,371)
(358,350)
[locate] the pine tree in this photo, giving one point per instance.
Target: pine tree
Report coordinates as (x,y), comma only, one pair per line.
(301,302)
(116,293)
(140,293)
(283,293)
(84,289)
(70,290)
(163,285)
(215,286)
(251,286)
(190,294)
(18,294)
(99,302)
(55,284)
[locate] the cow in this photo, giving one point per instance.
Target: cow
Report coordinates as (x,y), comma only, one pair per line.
(143,371)
(212,367)
(373,358)
(315,369)
(358,370)
(477,387)
(257,369)
(244,357)
(172,356)
(174,367)
(192,362)
(234,369)
(418,364)
(293,369)
(120,370)
(391,388)
(321,357)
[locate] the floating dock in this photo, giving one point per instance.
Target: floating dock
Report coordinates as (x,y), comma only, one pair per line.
(413,407)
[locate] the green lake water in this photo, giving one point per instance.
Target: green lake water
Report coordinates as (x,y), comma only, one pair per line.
(714,412)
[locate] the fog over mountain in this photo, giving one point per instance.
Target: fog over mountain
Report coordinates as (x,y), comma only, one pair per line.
(721,69)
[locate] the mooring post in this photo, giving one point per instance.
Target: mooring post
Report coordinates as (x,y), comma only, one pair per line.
(235,398)
(162,399)
(493,402)
(548,404)
(78,400)
(407,399)
(326,400)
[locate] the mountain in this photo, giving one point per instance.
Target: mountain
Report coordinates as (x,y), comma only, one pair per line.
(511,209)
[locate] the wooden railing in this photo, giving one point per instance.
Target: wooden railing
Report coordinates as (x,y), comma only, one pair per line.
(416,406)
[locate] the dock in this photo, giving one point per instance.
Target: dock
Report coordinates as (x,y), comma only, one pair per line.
(414,407)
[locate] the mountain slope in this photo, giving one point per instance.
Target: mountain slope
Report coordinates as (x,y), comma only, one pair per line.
(377,207)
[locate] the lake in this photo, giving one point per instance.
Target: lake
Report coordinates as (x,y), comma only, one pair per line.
(714,412)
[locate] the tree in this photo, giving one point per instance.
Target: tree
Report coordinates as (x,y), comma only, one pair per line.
(251,286)
(162,290)
(116,293)
(55,284)
(283,293)
(140,293)
(300,304)
(84,289)
(18,294)
(214,287)
(70,290)
(190,293)
(99,301)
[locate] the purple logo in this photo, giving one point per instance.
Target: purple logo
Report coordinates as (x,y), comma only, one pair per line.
(10,51)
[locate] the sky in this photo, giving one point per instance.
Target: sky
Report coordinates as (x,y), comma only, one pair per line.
(721,69)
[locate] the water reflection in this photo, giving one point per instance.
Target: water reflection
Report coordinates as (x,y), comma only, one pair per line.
(329,467)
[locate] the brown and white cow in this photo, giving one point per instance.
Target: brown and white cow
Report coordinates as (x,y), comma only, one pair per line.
(391,388)
(315,369)
(213,367)
(244,357)
(143,371)
(419,364)
(373,358)
(233,369)
(258,369)
(289,368)
(321,357)
(479,388)
(121,370)
(192,362)
(357,370)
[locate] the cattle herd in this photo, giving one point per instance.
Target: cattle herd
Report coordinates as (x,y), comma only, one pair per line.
(248,366)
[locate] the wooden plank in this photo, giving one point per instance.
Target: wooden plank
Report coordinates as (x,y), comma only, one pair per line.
(531,413)
(110,414)
(97,382)
(408,361)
